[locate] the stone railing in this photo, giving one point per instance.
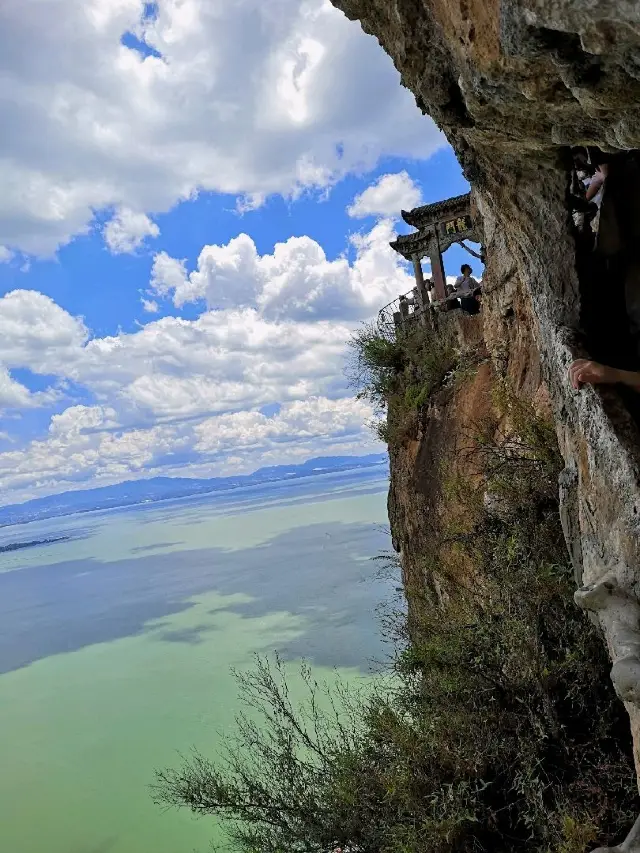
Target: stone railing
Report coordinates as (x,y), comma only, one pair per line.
(409,311)
(402,312)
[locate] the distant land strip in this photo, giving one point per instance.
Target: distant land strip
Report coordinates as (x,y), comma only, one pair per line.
(16,546)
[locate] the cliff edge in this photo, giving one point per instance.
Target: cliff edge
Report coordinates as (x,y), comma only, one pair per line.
(514,85)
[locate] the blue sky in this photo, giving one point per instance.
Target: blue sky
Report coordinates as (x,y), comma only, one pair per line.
(186,246)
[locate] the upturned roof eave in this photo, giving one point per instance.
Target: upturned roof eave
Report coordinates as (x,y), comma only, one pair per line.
(418,215)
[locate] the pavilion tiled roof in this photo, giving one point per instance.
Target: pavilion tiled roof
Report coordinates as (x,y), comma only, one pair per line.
(426,212)
(408,244)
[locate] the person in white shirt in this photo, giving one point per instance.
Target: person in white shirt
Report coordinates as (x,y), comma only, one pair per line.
(465,283)
(465,286)
(595,184)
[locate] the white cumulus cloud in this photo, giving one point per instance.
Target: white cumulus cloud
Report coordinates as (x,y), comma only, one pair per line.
(36,333)
(181,395)
(248,98)
(150,306)
(127,230)
(167,274)
(171,367)
(387,197)
(85,446)
(12,393)
(296,281)
(173,388)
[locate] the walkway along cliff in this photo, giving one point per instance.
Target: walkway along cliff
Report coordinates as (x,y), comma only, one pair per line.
(515,85)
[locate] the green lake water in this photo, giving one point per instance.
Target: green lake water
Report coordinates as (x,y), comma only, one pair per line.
(116,646)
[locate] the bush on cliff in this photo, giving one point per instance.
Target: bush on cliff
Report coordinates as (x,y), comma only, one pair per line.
(375,363)
(497,729)
(399,376)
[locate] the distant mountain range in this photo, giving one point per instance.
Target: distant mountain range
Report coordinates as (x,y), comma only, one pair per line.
(163,488)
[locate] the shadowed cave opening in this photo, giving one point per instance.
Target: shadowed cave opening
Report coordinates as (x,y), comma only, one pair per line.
(607,241)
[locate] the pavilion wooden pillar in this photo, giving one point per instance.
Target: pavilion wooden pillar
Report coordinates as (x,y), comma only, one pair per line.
(423,294)
(424,300)
(437,267)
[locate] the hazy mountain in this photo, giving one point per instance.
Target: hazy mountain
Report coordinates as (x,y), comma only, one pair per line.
(163,488)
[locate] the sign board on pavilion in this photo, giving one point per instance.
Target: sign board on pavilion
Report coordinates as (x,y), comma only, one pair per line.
(458,226)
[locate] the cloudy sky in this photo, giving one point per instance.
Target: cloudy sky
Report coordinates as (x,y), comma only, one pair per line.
(196,200)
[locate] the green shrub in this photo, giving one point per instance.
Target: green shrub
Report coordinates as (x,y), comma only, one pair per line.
(374,365)
(382,354)
(399,376)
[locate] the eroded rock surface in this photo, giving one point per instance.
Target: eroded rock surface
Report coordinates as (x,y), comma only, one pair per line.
(512,84)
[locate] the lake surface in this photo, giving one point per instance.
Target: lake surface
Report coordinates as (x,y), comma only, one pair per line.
(116,645)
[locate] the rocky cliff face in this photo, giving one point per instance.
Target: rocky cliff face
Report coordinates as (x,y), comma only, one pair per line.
(430,450)
(513,83)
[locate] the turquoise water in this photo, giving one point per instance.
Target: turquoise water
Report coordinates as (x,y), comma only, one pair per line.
(116,645)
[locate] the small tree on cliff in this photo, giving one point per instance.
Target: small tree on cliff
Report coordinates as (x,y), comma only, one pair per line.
(498,731)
